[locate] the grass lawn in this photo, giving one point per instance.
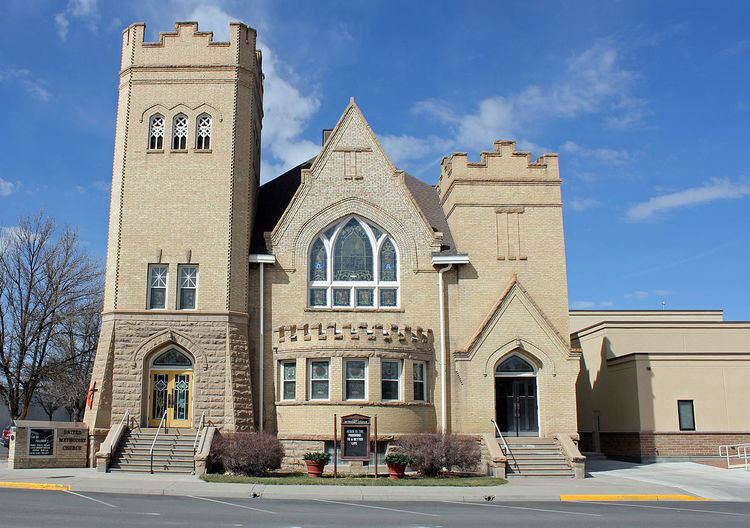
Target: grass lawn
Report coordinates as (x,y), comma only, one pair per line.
(328,480)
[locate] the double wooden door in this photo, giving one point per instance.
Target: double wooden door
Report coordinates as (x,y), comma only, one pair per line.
(171,391)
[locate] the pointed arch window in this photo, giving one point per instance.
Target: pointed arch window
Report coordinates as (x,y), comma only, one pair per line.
(353,264)
(156,132)
(203,132)
(514,365)
(179,132)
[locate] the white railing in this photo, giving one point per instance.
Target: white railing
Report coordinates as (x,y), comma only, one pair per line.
(742,455)
(506,448)
(197,437)
(151,451)
(112,445)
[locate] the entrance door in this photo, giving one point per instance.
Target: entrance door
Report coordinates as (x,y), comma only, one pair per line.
(171,392)
(515,406)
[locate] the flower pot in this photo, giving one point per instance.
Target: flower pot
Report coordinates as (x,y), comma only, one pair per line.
(396,471)
(315,468)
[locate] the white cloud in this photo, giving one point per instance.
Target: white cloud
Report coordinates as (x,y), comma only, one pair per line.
(593,82)
(590,305)
(31,85)
(101,185)
(7,188)
(405,147)
(738,48)
(717,189)
(641,294)
(607,155)
(583,204)
(85,11)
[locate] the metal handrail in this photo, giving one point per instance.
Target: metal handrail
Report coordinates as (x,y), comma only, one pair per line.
(197,436)
(742,454)
(505,444)
(151,451)
(125,417)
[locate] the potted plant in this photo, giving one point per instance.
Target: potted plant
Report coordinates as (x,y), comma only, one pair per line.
(397,463)
(315,463)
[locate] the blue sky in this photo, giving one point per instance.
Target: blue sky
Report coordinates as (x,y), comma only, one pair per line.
(646,102)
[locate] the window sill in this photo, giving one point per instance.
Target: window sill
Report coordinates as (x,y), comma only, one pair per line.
(352,309)
(353,403)
(154,151)
(178,151)
(202,151)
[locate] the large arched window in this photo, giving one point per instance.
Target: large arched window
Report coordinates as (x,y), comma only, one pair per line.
(353,263)
(156,132)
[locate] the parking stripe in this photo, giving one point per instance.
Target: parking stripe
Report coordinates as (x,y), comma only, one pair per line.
(231,504)
(377,507)
(666,508)
(90,498)
(523,508)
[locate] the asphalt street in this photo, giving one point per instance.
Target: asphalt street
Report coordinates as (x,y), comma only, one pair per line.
(35,508)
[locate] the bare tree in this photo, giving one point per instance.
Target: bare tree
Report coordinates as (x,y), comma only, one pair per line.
(45,279)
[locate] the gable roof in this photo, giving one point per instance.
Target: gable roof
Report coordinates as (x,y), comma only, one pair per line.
(427,199)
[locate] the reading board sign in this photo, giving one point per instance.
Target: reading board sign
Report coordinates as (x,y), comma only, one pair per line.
(41,442)
(355,430)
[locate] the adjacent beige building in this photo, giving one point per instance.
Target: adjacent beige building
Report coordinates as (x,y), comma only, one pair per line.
(345,285)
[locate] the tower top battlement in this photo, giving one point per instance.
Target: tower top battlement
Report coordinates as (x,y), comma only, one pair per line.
(186,46)
(502,163)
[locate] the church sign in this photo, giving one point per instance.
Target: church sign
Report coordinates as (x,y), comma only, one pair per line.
(39,444)
(355,432)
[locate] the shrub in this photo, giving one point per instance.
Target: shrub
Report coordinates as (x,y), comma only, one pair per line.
(398,459)
(318,457)
(251,454)
(430,453)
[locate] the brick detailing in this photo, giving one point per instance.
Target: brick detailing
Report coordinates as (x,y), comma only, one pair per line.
(650,445)
(364,334)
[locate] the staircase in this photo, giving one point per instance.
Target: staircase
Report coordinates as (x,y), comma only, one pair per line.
(173,451)
(536,457)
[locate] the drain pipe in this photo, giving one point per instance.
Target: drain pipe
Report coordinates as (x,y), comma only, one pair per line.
(261,260)
(450,260)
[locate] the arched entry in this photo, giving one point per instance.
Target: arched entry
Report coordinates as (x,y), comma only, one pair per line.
(171,389)
(516,397)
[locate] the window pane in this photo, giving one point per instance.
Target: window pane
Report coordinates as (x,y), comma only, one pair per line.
(318,297)
(158,278)
(187,299)
(390,390)
(514,364)
(389,370)
(319,390)
(318,261)
(188,276)
(203,133)
(388,297)
(418,371)
(418,391)
(365,297)
(290,392)
(352,260)
(342,297)
(158,297)
(290,371)
(355,390)
(687,418)
(388,262)
(319,370)
(355,370)
(173,358)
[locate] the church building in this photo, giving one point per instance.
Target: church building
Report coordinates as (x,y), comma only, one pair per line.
(343,286)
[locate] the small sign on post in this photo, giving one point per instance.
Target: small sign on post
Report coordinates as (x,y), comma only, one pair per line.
(355,434)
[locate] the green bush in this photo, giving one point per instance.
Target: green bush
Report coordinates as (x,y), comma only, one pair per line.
(250,454)
(431,453)
(318,457)
(398,459)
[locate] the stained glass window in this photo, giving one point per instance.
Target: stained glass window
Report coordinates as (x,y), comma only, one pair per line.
(157,286)
(388,262)
(352,254)
(173,358)
(390,378)
(514,364)
(365,297)
(289,380)
(341,296)
(388,297)
(318,261)
(319,380)
(355,379)
(188,284)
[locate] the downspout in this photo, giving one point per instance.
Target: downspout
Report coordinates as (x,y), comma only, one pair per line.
(443,353)
(262,348)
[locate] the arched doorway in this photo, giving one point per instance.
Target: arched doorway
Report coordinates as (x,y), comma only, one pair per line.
(171,389)
(516,397)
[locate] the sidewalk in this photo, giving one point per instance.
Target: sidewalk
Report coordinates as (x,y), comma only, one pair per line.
(610,478)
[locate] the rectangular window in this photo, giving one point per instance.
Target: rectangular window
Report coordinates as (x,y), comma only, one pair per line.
(318,297)
(420,381)
(342,296)
(388,297)
(355,376)
(157,286)
(289,380)
(686,415)
(187,285)
(390,376)
(365,297)
(319,380)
